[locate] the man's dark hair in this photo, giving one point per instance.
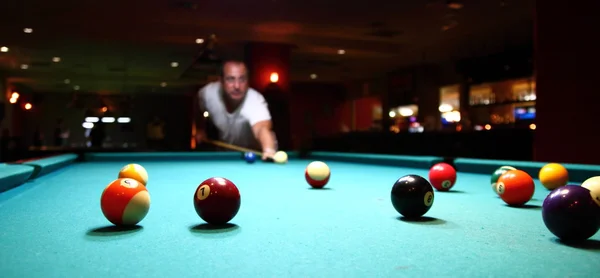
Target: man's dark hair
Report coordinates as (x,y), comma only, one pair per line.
(222,66)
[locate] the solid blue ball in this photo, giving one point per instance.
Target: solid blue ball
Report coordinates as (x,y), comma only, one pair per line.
(250,157)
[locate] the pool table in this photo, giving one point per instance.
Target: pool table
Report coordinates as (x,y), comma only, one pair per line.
(52,224)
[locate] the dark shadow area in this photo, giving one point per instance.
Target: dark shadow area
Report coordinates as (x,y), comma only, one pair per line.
(525,206)
(206,228)
(450,191)
(324,188)
(423,219)
(590,244)
(113,230)
(512,143)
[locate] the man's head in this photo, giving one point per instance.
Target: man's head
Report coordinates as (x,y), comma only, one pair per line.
(234,79)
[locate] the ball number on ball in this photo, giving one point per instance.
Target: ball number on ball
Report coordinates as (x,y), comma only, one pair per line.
(428,198)
(446,184)
(500,188)
(129,183)
(203,192)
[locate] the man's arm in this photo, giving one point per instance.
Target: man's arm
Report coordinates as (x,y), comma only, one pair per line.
(199,117)
(264,135)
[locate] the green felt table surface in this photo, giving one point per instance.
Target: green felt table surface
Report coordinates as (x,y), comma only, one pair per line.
(52,226)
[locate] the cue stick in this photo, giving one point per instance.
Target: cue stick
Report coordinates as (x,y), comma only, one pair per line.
(231,147)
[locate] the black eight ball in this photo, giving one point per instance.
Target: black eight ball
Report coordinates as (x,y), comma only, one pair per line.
(412,196)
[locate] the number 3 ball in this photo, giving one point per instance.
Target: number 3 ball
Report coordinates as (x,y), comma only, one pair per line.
(134,171)
(125,202)
(442,176)
(217,200)
(412,196)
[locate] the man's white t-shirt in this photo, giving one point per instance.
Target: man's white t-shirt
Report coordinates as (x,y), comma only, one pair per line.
(236,127)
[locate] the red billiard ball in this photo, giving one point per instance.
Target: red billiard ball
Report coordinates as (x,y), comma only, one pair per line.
(515,187)
(317,174)
(125,202)
(217,200)
(442,176)
(570,213)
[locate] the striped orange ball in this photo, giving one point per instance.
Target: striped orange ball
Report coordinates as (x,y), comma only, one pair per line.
(125,202)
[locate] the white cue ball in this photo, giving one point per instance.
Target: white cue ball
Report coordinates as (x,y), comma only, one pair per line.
(280,157)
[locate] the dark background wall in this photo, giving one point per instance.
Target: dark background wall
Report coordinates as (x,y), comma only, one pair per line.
(175,110)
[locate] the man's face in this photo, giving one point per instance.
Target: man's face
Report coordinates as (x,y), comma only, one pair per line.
(235,81)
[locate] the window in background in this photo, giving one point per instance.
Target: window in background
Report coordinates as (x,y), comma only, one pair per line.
(450,104)
(403,118)
(524,90)
(481,94)
(450,98)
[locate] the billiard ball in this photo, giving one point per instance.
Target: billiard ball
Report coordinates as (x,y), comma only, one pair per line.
(496,175)
(553,175)
(570,213)
(516,187)
(412,196)
(280,157)
(250,157)
(317,174)
(442,176)
(217,200)
(125,202)
(593,185)
(134,171)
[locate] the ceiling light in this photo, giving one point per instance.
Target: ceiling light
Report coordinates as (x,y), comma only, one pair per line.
(313,76)
(163,84)
(341,52)
(56,59)
(199,41)
(24,66)
(28,30)
(174,64)
(76,87)
(4,49)
(124,120)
